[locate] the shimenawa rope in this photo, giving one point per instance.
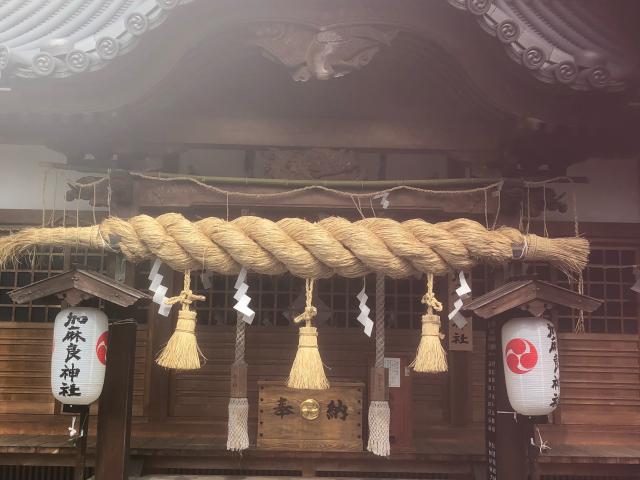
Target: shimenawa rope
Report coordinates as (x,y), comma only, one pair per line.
(308,250)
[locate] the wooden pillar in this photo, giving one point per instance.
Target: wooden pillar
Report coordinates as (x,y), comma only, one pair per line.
(81,444)
(460,406)
(507,435)
(459,399)
(114,414)
(158,384)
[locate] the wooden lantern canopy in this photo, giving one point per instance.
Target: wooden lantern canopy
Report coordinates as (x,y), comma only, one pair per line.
(114,413)
(508,435)
(532,295)
(76,286)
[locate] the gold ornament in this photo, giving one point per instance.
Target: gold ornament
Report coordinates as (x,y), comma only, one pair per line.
(310,409)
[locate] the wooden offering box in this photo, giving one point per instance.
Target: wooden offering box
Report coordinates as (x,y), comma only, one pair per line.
(322,420)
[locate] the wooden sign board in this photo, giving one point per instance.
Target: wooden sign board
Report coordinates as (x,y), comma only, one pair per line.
(307,420)
(461,339)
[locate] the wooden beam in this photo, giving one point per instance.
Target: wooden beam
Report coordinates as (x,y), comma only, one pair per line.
(152,195)
(319,132)
(114,413)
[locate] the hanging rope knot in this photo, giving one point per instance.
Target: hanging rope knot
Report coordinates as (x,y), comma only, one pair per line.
(186,296)
(309,310)
(309,313)
(429,299)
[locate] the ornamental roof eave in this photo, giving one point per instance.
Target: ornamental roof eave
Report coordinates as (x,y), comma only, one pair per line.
(559,42)
(58,39)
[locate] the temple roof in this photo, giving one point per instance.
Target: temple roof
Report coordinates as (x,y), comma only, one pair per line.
(61,37)
(223,72)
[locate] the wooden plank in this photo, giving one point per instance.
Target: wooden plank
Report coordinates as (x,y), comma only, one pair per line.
(114,419)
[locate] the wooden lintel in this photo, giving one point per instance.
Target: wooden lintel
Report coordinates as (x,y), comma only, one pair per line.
(152,195)
(320,132)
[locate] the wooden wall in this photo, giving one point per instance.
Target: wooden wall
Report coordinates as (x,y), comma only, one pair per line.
(600,379)
(201,397)
(600,382)
(26,403)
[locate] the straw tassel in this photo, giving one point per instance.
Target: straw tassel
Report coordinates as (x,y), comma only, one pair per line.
(307,371)
(182,351)
(431,356)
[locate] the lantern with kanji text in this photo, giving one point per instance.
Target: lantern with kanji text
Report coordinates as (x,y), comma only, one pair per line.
(79,355)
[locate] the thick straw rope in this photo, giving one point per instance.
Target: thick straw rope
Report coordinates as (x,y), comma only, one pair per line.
(308,250)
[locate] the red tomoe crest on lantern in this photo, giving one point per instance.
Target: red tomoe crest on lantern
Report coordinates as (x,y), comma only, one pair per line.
(101,348)
(521,355)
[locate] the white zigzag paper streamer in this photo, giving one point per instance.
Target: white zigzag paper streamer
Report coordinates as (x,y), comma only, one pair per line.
(242,298)
(384,199)
(462,291)
(159,290)
(363,318)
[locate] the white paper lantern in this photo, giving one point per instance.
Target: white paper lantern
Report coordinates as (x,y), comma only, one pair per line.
(531,365)
(79,355)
